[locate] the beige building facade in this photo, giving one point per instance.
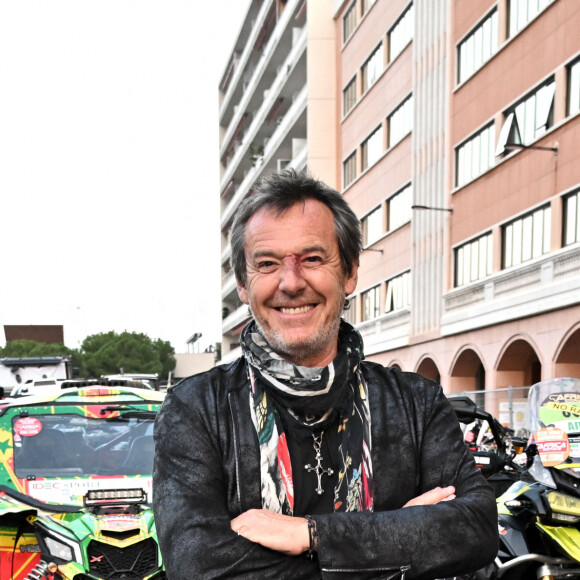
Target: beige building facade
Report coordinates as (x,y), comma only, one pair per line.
(453,133)
(457,137)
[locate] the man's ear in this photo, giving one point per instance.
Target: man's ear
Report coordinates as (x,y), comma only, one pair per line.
(350,281)
(242,292)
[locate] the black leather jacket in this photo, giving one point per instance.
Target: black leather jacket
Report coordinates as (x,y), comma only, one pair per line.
(207,472)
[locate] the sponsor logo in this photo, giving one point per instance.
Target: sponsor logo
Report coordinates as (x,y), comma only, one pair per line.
(552,446)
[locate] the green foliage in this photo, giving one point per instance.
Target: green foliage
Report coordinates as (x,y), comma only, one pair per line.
(30,348)
(105,353)
(108,353)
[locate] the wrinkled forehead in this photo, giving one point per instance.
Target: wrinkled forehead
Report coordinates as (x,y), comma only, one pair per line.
(301,229)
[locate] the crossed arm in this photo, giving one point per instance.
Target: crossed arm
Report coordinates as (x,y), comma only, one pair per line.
(290,536)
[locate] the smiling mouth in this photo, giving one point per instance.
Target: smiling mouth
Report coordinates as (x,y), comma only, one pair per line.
(298,310)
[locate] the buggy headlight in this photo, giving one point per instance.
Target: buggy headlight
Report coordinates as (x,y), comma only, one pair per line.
(58,549)
(565,508)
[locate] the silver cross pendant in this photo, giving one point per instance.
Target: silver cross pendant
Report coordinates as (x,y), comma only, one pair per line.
(318,469)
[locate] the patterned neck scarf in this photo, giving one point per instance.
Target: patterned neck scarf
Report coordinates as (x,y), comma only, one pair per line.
(310,398)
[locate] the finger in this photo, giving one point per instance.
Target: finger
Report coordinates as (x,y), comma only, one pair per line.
(432,496)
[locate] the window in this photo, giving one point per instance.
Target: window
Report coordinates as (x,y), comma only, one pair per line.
(475,156)
(366,5)
(398,292)
(372,68)
(523,11)
(401,122)
(372,148)
(526,238)
(401,34)
(474,260)
(574,88)
(372,226)
(371,303)
(349,170)
(349,96)
(478,47)
(399,208)
(349,314)
(349,22)
(572,219)
(529,119)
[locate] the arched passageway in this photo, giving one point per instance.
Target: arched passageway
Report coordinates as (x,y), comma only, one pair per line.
(518,368)
(429,370)
(567,361)
(468,374)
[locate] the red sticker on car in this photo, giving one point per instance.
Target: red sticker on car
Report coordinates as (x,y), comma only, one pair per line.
(553,446)
(27,426)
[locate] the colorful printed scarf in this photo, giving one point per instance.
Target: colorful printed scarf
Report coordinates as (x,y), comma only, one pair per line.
(311,397)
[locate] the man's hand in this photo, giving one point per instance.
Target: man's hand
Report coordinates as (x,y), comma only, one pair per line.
(433,496)
(278,532)
(289,535)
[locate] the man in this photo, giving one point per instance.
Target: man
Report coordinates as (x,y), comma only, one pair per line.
(301,426)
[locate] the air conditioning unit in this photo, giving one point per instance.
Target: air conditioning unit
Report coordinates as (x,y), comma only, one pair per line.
(282,164)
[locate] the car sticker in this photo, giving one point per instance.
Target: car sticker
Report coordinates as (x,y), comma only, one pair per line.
(553,445)
(27,427)
(561,410)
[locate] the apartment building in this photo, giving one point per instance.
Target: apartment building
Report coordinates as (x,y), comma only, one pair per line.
(455,135)
(278,109)
(459,149)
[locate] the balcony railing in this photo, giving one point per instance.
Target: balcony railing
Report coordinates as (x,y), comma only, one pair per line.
(533,287)
(279,134)
(258,70)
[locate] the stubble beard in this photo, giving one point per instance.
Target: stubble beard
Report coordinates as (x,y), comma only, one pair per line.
(310,346)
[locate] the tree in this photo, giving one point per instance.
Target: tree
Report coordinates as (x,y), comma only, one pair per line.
(30,348)
(108,353)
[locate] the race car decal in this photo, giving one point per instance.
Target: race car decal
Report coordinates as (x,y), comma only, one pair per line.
(71,491)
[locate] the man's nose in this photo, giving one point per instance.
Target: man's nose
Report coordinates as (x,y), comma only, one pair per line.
(291,276)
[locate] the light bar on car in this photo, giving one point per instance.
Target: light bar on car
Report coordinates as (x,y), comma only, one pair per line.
(114,496)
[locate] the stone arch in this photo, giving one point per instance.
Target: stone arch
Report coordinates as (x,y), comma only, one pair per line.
(567,359)
(518,366)
(518,363)
(396,364)
(429,369)
(467,371)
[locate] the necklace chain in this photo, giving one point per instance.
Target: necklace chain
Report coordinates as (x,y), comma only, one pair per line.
(318,469)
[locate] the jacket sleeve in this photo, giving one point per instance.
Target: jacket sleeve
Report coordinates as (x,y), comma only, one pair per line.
(190,500)
(440,540)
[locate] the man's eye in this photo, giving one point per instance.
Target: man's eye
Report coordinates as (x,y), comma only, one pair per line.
(312,260)
(266,266)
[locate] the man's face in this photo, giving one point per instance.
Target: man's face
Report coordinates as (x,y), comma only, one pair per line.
(295,284)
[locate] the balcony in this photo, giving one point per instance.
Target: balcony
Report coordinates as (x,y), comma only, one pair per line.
(295,117)
(279,93)
(242,60)
(282,42)
(237,318)
(387,332)
(229,287)
(544,284)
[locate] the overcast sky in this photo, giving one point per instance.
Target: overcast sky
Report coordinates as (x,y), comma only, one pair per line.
(109,170)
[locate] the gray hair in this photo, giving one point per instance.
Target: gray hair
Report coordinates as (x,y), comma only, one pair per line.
(282,191)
